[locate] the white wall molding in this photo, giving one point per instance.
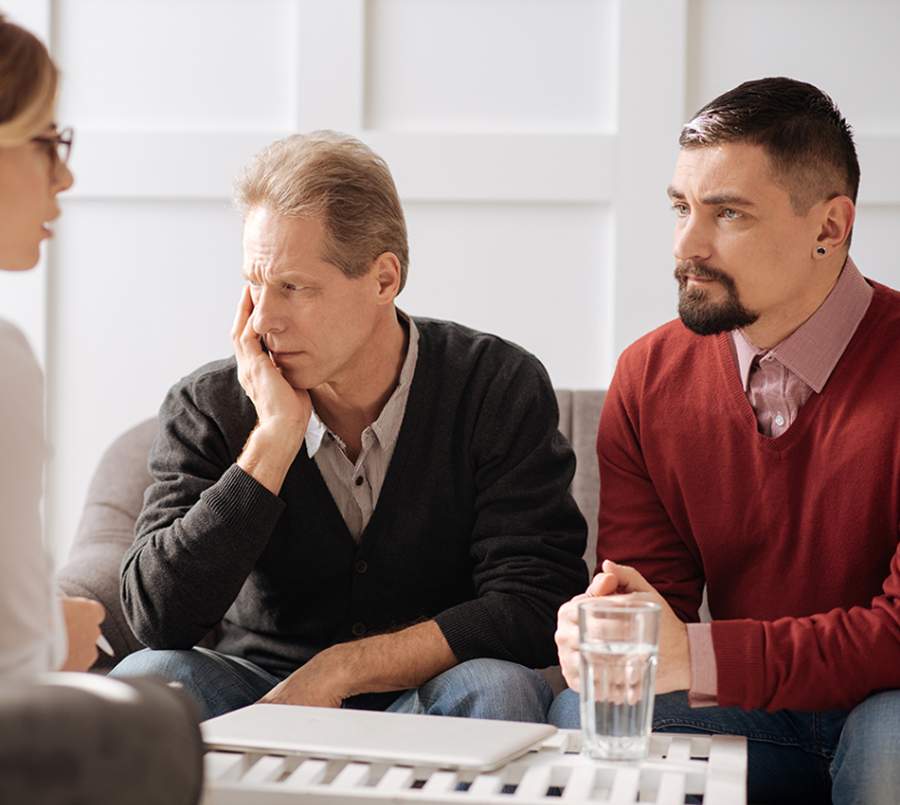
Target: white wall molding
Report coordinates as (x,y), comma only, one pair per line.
(191,165)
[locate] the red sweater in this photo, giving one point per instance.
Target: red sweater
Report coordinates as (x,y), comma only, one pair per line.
(797,537)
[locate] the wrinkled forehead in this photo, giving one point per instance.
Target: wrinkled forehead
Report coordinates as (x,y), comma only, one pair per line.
(737,169)
(286,248)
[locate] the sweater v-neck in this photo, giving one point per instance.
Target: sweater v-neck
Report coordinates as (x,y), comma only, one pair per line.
(407,435)
(744,410)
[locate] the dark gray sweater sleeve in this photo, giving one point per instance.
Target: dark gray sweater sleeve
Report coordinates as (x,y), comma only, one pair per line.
(204,522)
(529,536)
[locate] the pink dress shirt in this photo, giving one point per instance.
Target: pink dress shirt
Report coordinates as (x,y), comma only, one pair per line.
(777,382)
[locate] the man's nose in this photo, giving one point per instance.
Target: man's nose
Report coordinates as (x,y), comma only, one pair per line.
(266,318)
(692,240)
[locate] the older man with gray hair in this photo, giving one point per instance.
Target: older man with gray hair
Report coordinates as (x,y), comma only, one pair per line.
(375,507)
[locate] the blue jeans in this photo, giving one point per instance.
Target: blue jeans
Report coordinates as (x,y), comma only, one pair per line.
(483,688)
(793,757)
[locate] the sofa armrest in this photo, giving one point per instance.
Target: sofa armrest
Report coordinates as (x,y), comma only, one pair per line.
(68,738)
(106,531)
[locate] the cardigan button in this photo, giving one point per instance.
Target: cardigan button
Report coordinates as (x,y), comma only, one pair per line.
(358,629)
(361,566)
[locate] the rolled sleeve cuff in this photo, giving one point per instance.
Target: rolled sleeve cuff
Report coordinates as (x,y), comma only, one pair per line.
(704,679)
(242,503)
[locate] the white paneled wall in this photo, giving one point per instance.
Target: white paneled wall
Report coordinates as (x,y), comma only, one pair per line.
(504,65)
(531,141)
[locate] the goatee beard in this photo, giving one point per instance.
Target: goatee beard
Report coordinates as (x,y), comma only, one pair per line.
(700,315)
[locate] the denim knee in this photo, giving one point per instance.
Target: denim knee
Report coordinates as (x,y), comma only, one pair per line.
(174,665)
(565,712)
(217,683)
(866,765)
(487,688)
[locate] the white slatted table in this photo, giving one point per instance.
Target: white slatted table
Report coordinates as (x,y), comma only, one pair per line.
(678,766)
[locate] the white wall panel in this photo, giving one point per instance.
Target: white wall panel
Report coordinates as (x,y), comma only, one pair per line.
(35,15)
(535,274)
(476,65)
(183,64)
(875,242)
(849,50)
(146,293)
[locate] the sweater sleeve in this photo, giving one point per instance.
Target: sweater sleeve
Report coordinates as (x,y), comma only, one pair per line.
(203,526)
(634,527)
(827,661)
(528,536)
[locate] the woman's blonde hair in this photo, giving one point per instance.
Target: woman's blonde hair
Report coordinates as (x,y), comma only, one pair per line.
(343,180)
(28,80)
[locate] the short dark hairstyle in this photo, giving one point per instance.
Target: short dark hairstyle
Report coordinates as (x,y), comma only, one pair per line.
(808,141)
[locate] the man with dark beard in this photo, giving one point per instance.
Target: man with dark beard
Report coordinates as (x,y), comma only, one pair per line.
(752,447)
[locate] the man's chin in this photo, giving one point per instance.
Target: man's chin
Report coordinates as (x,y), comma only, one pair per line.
(703,326)
(705,319)
(300,380)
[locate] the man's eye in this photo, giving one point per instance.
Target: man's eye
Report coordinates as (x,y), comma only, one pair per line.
(289,286)
(729,214)
(681,210)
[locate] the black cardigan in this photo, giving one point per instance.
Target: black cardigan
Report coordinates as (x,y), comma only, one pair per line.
(474,528)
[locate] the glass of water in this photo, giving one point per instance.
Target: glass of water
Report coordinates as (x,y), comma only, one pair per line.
(618,644)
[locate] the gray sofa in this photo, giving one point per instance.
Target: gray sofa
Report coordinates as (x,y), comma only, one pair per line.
(116,494)
(84,739)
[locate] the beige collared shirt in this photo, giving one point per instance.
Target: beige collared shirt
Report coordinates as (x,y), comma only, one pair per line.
(355,487)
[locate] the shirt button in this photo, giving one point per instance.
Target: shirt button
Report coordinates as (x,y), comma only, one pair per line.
(361,566)
(359,481)
(779,420)
(358,629)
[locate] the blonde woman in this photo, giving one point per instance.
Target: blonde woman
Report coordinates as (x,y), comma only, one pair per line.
(38,632)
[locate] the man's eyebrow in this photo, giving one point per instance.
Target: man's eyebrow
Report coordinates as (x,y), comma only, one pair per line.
(285,276)
(715,199)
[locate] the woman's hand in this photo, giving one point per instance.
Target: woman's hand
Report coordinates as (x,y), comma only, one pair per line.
(83,618)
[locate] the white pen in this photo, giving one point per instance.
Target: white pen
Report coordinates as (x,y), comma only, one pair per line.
(104,646)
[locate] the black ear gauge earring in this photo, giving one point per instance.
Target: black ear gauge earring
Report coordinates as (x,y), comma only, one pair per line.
(820,250)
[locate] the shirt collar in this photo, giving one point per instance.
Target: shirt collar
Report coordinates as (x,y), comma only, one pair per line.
(812,351)
(746,352)
(387,426)
(316,430)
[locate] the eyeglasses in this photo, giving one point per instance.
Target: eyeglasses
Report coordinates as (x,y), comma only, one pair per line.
(58,145)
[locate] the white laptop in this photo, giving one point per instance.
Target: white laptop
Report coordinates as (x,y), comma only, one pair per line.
(440,741)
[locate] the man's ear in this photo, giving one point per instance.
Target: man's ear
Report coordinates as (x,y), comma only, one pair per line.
(385,269)
(838,216)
